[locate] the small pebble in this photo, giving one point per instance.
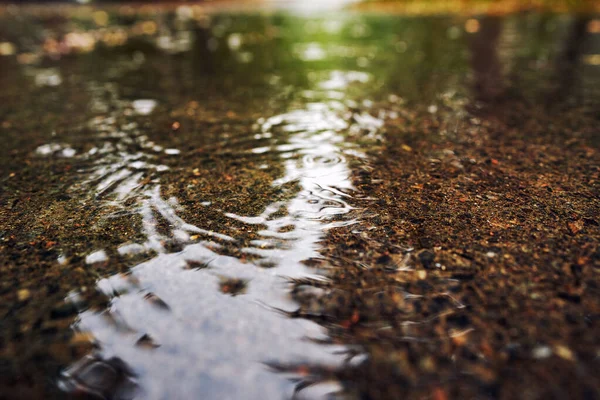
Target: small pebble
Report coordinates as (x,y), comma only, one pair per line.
(147,342)
(23,294)
(157,301)
(541,352)
(564,352)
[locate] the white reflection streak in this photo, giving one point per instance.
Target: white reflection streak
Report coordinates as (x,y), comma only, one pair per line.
(213,343)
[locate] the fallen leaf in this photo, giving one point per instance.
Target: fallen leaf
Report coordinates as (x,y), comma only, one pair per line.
(575,226)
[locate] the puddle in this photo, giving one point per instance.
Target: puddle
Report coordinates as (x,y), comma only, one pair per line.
(211,322)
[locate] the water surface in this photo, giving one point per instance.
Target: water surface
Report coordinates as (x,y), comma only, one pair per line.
(192,166)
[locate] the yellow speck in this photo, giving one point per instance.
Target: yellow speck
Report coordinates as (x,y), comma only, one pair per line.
(592,59)
(23,294)
(115,38)
(7,49)
(100,18)
(422,274)
(80,41)
(149,27)
(472,25)
(406,147)
(564,352)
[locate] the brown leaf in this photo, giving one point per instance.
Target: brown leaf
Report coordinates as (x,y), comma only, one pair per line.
(575,226)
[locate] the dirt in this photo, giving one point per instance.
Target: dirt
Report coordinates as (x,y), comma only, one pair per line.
(473,272)
(499,232)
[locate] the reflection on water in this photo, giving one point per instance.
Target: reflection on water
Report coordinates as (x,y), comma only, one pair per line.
(212,319)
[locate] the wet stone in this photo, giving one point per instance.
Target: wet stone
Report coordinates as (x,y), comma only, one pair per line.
(232,286)
(156,301)
(102,379)
(427,258)
(63,310)
(146,341)
(196,265)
